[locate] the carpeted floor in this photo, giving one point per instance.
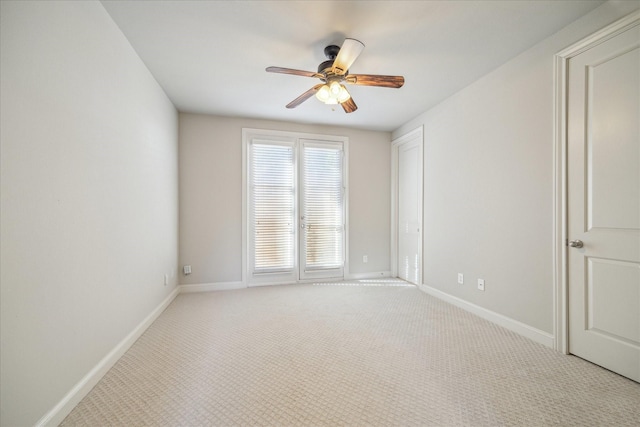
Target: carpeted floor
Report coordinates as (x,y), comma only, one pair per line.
(346,354)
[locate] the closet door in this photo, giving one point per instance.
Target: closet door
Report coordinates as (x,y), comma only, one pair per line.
(407,160)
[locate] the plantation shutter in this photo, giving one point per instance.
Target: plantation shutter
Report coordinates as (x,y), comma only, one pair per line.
(272,193)
(322,215)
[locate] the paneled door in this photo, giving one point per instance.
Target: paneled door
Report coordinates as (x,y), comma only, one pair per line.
(409,178)
(603,203)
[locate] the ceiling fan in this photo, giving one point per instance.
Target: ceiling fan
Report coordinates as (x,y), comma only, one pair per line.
(334,72)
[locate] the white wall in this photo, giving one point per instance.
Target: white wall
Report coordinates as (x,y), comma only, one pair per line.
(211,201)
(89,216)
(488,181)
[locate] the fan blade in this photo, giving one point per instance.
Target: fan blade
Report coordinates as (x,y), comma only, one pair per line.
(294,72)
(308,94)
(349,52)
(349,106)
(375,80)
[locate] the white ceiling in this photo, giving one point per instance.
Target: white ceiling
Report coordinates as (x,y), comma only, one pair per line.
(210,56)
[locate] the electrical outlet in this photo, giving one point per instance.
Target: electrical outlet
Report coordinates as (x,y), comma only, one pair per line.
(365,259)
(186,270)
(481,284)
(461,278)
(166,279)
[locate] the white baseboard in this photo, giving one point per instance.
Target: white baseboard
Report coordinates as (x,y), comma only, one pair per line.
(372,275)
(84,386)
(530,332)
(225,286)
(207,287)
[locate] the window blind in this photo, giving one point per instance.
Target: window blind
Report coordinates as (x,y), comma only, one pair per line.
(273,207)
(323,210)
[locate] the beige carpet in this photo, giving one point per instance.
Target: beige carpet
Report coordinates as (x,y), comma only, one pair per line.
(348,354)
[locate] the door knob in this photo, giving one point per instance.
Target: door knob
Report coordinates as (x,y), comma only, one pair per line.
(576,243)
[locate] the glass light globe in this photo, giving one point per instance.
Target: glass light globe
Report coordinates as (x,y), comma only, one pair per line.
(335,89)
(343,95)
(323,93)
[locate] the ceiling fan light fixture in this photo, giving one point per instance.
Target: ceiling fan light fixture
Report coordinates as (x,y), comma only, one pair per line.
(334,72)
(332,94)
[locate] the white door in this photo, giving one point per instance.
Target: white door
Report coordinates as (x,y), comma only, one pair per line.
(271,211)
(322,209)
(409,170)
(603,190)
(295,208)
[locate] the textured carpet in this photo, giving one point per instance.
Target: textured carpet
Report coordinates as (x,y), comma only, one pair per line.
(346,354)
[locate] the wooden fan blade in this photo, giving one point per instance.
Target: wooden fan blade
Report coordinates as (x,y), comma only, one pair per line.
(308,94)
(349,52)
(293,72)
(349,106)
(375,80)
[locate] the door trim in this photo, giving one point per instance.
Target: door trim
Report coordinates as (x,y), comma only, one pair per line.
(418,134)
(560,220)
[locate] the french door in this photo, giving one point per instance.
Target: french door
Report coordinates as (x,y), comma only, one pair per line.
(295,208)
(322,225)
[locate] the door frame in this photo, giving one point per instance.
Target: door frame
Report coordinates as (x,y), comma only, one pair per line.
(249,134)
(560,159)
(416,134)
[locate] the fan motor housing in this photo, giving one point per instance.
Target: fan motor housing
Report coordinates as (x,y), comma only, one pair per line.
(325,66)
(331,52)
